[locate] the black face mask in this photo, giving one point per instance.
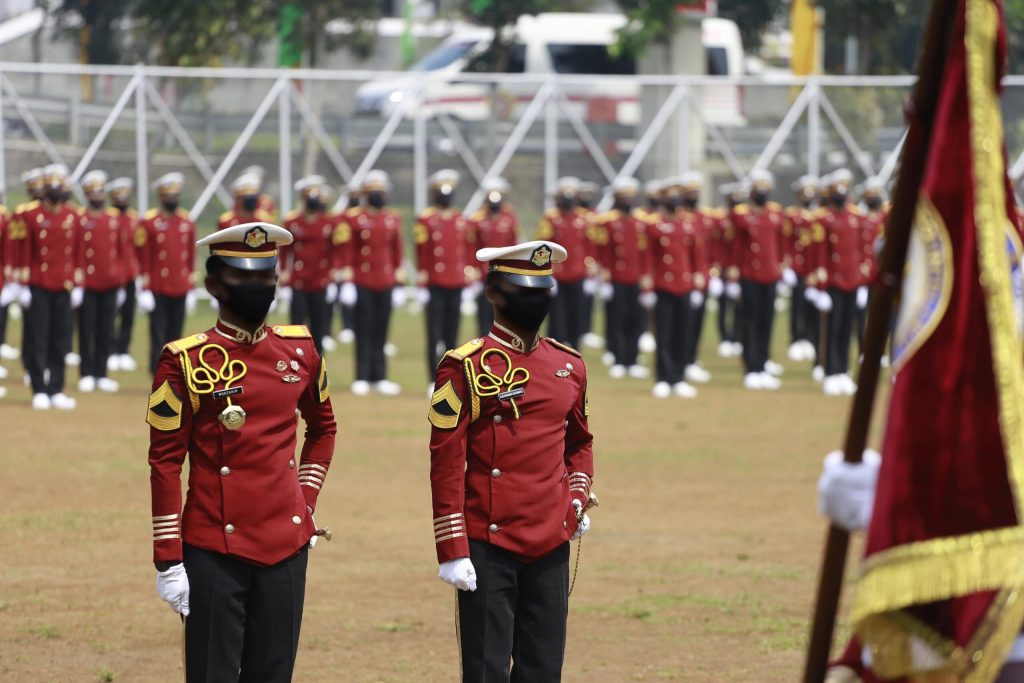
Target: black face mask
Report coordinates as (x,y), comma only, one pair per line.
(376,200)
(690,203)
(526,308)
(873,203)
(313,204)
(586,202)
(121,207)
(170,206)
(623,205)
(96,204)
(565,203)
(839,199)
(443,200)
(494,207)
(250,302)
(55,194)
(250,203)
(670,204)
(760,197)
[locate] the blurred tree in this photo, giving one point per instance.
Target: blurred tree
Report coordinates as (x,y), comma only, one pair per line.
(654,21)
(311,17)
(92,24)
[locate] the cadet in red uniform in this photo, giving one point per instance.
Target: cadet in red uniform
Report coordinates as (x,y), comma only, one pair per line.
(798,232)
(342,229)
(102,246)
(265,202)
(168,265)
(626,267)
(120,190)
(374,281)
(16,232)
(11,289)
(875,213)
(698,225)
(586,200)
(246,190)
(511,465)
(566,225)
(46,258)
(441,235)
(725,287)
(306,265)
(758,249)
(495,224)
(840,272)
(672,273)
(233,562)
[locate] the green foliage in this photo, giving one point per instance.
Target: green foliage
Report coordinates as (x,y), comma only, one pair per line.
(654,21)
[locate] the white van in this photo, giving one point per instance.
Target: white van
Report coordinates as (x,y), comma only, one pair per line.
(553,43)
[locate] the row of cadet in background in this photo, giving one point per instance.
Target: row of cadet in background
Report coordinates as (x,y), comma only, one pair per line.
(654,266)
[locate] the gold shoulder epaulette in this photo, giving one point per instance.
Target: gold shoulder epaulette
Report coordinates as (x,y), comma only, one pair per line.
(427,212)
(855,210)
(466,350)
(152,213)
(182,213)
(353,210)
(479,215)
(741,209)
(292,331)
(264,215)
(565,347)
(112,212)
(132,213)
(775,206)
(226,216)
(186,343)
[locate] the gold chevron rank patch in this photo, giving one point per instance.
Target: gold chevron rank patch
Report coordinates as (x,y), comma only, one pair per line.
(164,409)
(321,383)
(445,406)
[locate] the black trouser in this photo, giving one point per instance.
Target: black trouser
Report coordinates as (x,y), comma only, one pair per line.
(310,308)
(125,321)
(443,311)
(693,335)
(3,324)
(484,315)
(801,318)
(587,311)
(50,339)
(26,340)
(566,320)
(625,318)
(671,329)
(96,331)
(516,614)
(165,325)
(728,319)
(373,315)
(758,316)
(243,617)
(840,329)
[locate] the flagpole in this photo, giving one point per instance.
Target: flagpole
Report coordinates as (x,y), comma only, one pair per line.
(922,105)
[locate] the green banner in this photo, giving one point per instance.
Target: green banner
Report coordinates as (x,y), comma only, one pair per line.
(289,36)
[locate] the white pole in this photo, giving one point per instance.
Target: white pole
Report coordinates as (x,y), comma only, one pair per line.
(141,144)
(550,147)
(420,166)
(814,132)
(284,150)
(105,129)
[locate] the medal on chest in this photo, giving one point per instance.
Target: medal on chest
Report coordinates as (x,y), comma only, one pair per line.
(203,380)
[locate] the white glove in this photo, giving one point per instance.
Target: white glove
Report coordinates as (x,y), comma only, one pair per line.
(284,295)
(648,299)
(590,286)
(423,296)
(146,301)
(789,277)
(468,305)
(214,304)
(696,299)
(812,294)
(733,291)
(312,539)
(862,298)
(190,302)
(172,587)
(554,289)
(846,491)
(398,296)
(468,294)
(584,526)
(782,290)
(77,294)
(823,302)
(606,291)
(716,287)
(331,293)
(459,573)
(121,296)
(347,294)
(25,296)
(9,294)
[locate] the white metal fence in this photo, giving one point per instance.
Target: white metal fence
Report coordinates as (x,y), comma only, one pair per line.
(143,121)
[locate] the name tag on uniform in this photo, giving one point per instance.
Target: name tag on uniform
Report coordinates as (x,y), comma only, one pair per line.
(224,393)
(515,393)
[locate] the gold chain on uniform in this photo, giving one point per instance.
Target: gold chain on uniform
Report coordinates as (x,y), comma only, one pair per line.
(487,383)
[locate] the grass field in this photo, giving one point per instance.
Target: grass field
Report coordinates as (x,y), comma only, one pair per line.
(700,566)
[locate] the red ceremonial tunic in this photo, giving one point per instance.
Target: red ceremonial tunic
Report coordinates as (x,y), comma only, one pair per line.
(798,231)
(306,263)
(168,252)
(370,242)
(48,252)
(128,223)
(697,226)
(442,248)
(671,264)
(571,230)
(623,252)
(841,254)
(247,494)
(102,246)
(758,242)
(502,480)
